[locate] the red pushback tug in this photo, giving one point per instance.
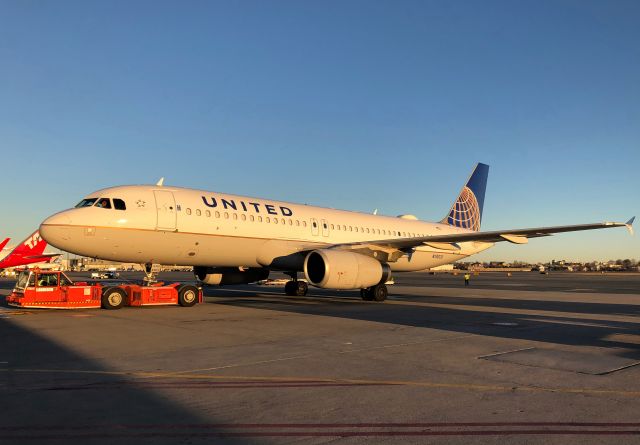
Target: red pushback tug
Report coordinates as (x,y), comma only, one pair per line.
(54,290)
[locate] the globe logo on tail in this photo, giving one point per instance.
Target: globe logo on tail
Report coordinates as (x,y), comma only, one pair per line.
(465,212)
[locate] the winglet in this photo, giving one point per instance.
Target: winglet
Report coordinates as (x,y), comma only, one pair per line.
(629,225)
(160,182)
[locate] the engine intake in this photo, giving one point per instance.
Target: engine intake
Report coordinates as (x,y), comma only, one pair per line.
(340,269)
(229,275)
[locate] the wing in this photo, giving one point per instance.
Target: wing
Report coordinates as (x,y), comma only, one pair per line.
(449,241)
(43,257)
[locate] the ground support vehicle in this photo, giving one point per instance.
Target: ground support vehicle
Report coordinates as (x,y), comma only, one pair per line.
(54,290)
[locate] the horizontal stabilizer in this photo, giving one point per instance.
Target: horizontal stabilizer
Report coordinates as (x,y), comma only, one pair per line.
(444,246)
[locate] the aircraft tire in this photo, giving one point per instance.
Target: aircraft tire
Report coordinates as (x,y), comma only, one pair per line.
(187,295)
(290,288)
(379,292)
(301,288)
(113,298)
(366,295)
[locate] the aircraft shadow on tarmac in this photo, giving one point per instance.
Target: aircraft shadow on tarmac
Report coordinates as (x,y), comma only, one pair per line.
(552,324)
(42,405)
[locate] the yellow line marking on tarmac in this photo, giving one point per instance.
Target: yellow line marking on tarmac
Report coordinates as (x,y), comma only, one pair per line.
(236,365)
(412,383)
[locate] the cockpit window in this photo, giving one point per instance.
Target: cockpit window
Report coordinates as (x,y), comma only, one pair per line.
(105,203)
(119,204)
(86,202)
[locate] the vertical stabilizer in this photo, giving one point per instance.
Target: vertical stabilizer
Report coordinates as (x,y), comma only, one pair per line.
(4,243)
(32,246)
(466,211)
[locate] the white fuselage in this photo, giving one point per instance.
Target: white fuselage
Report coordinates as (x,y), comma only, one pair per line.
(172,225)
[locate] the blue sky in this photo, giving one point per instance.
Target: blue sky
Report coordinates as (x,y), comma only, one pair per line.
(349,104)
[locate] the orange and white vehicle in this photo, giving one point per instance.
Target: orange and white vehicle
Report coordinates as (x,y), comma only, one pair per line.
(37,288)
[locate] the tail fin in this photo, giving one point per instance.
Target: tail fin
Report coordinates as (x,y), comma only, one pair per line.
(4,243)
(466,211)
(34,245)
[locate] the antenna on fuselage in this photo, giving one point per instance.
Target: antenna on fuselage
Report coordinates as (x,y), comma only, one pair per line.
(375,212)
(160,182)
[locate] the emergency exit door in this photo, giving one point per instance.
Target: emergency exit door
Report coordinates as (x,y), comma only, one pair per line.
(325,228)
(166,208)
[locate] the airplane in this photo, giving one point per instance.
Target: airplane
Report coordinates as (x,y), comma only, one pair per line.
(4,243)
(28,251)
(232,239)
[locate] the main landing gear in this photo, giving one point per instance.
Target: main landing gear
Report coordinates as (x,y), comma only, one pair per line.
(378,292)
(295,288)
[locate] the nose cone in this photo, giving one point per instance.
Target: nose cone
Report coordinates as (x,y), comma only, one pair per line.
(56,229)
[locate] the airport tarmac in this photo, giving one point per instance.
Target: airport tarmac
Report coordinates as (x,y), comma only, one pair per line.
(528,358)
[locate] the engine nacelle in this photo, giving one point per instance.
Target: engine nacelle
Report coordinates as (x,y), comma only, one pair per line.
(340,269)
(229,275)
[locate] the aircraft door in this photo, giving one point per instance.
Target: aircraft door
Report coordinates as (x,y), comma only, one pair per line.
(166,207)
(325,228)
(314,227)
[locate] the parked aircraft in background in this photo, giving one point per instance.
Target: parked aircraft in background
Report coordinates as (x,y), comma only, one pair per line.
(28,251)
(4,243)
(231,239)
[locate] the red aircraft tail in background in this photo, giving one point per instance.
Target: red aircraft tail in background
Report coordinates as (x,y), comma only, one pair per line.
(27,252)
(4,243)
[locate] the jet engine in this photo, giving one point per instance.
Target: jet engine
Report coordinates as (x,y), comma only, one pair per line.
(229,275)
(340,269)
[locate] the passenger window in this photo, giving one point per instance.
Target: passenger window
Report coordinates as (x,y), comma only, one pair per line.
(198,212)
(235,216)
(226,215)
(356,229)
(324,225)
(259,218)
(304,224)
(119,204)
(297,222)
(275,220)
(243,217)
(331,226)
(314,225)
(208,213)
(104,203)
(290,222)
(188,211)
(217,214)
(251,218)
